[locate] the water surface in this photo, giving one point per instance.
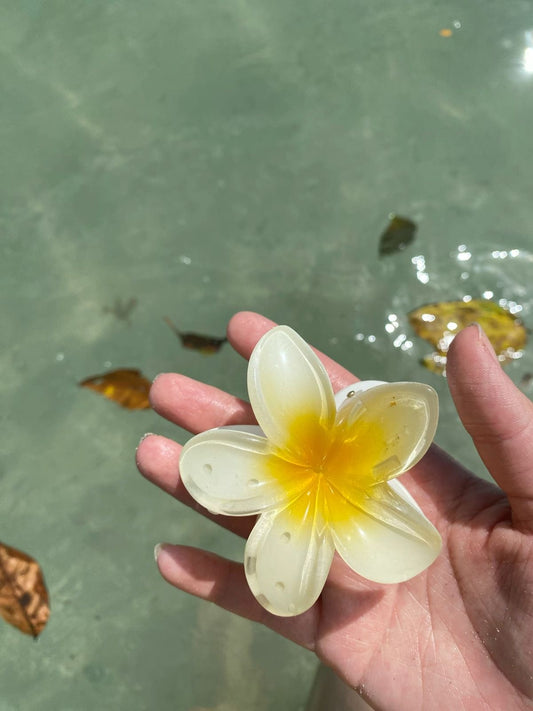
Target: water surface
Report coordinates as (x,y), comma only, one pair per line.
(204,158)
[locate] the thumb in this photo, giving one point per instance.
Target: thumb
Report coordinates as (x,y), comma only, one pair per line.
(498,417)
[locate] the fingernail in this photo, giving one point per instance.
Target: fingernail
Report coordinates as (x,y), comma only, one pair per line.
(484,339)
(157,550)
(147,434)
(479,329)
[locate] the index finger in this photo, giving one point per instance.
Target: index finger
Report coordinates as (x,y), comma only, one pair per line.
(247,327)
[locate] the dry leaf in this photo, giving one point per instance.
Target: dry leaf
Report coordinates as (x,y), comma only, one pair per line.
(399,233)
(195,341)
(126,386)
(23,595)
(440,323)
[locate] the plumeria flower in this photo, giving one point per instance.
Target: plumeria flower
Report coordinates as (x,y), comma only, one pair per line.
(320,472)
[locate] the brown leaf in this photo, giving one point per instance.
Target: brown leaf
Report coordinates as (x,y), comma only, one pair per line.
(23,595)
(126,386)
(197,342)
(399,233)
(440,323)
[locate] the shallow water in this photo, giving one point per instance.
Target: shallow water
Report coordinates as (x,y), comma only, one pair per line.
(204,158)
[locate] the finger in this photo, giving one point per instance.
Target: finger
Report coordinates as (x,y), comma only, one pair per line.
(157,459)
(223,582)
(498,417)
(247,327)
(196,406)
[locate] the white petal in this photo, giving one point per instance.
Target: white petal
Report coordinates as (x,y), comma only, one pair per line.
(288,556)
(359,387)
(232,472)
(398,420)
(387,539)
(291,394)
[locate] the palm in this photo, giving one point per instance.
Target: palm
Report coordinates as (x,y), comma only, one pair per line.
(458,633)
(436,634)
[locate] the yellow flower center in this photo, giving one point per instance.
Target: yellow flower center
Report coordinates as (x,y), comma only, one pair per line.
(343,462)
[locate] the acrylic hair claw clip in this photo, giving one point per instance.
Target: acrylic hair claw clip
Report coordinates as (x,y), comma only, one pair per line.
(320,472)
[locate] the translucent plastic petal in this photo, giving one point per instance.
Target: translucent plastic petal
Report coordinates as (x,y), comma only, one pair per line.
(388,539)
(291,395)
(233,472)
(288,556)
(381,432)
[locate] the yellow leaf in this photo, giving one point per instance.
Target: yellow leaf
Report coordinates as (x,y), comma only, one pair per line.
(126,386)
(440,323)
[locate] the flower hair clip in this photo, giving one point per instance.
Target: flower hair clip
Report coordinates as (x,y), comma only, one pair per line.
(320,472)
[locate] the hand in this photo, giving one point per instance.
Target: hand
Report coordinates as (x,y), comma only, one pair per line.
(458,635)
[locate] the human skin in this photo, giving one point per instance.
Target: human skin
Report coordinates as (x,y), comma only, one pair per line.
(460,634)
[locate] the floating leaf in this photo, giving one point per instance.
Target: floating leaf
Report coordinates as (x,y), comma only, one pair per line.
(195,341)
(399,233)
(126,386)
(23,596)
(440,323)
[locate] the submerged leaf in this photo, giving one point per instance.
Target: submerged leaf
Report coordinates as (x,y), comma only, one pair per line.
(195,341)
(399,233)
(121,309)
(23,595)
(526,381)
(440,323)
(126,386)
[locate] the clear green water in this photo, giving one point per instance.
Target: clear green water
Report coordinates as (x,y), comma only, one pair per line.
(206,157)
